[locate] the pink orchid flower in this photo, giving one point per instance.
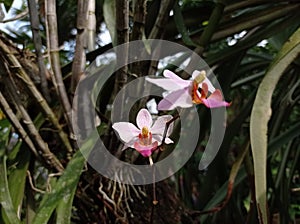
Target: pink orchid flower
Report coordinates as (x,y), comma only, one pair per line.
(185,93)
(146,137)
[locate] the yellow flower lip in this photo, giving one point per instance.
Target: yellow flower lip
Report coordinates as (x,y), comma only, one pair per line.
(145,132)
(200,77)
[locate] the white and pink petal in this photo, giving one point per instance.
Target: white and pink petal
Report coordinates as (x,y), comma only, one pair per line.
(160,124)
(147,150)
(167,84)
(143,119)
(126,131)
(179,81)
(178,98)
(215,100)
(159,138)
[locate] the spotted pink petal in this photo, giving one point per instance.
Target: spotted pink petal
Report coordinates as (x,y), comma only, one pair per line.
(215,100)
(147,150)
(178,98)
(143,119)
(126,131)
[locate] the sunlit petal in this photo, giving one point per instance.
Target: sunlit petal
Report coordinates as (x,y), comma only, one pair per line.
(181,82)
(160,124)
(168,84)
(126,131)
(168,141)
(143,119)
(179,98)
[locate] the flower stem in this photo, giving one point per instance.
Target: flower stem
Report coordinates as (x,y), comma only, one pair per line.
(155,201)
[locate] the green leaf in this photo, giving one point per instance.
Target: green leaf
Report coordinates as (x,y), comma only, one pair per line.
(222,191)
(62,190)
(66,185)
(7,4)
(5,127)
(179,21)
(64,209)
(5,198)
(17,177)
(260,116)
(262,33)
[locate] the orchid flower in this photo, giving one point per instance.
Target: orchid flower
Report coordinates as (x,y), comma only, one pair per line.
(185,93)
(146,137)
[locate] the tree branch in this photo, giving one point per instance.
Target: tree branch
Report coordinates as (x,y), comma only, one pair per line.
(16,123)
(162,18)
(14,95)
(138,33)
(55,60)
(139,18)
(37,40)
(91,26)
(79,55)
(20,73)
(205,37)
(122,21)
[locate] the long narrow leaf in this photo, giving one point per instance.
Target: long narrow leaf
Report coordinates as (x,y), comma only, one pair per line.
(5,198)
(17,178)
(260,116)
(65,187)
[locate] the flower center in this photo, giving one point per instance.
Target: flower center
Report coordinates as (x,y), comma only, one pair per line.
(145,137)
(196,95)
(145,132)
(196,98)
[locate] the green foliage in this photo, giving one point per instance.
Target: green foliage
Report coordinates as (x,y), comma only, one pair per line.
(7,4)
(260,116)
(245,42)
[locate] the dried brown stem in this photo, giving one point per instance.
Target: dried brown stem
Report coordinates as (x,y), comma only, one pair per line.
(157,31)
(55,60)
(91,26)
(206,36)
(244,4)
(139,17)
(20,73)
(162,18)
(168,123)
(16,123)
(17,17)
(122,21)
(37,40)
(233,173)
(138,33)
(79,55)
(256,20)
(33,132)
